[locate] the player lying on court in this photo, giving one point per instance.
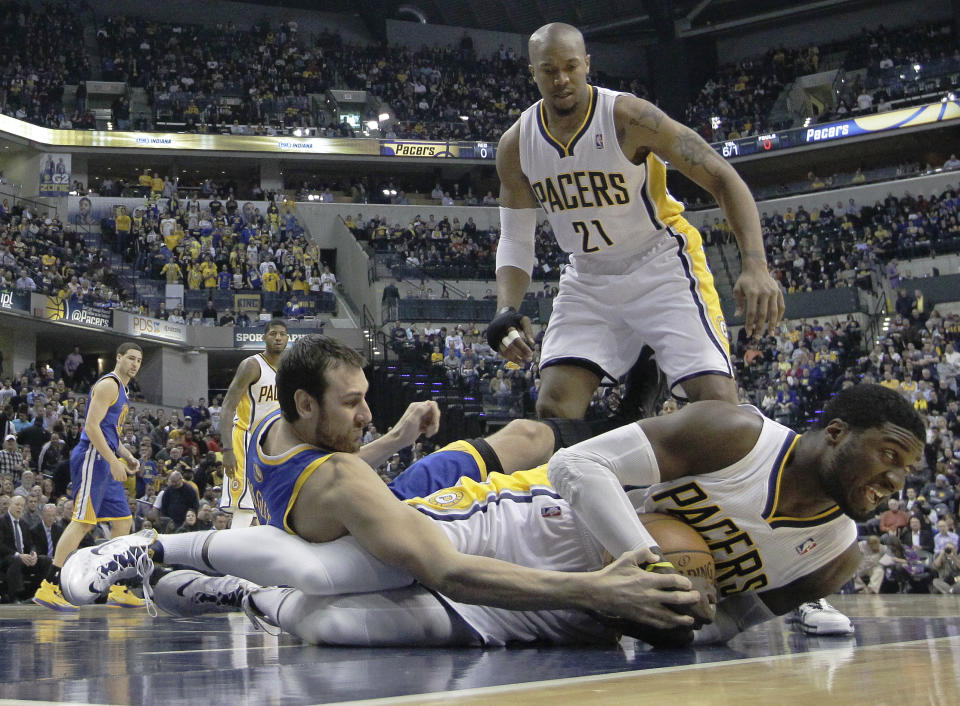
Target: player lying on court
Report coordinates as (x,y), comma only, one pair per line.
(300,487)
(750,486)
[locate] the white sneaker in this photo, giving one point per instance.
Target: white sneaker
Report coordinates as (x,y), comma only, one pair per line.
(820,618)
(90,572)
(188,593)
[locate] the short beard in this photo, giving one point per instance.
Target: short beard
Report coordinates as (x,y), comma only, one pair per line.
(330,441)
(833,480)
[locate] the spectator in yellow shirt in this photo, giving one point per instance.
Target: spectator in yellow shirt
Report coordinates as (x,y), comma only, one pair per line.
(156,184)
(271,281)
(146,179)
(194,278)
(209,271)
(172,272)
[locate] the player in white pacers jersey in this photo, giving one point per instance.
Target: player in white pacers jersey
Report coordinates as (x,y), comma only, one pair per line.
(594,160)
(776,509)
(252,395)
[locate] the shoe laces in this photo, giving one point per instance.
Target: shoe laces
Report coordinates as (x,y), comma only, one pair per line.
(137,558)
(256,616)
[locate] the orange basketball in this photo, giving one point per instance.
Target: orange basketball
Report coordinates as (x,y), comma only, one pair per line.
(682,546)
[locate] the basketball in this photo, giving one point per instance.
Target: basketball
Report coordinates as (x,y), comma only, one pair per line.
(682,546)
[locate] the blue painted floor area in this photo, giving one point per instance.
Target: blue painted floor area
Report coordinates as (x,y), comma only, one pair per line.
(117,656)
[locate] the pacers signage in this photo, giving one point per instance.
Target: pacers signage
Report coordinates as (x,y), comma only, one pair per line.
(58,309)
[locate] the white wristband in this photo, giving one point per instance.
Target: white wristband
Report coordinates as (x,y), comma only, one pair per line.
(511,336)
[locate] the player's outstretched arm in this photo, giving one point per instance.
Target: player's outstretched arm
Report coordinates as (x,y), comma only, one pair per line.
(348,490)
(700,438)
(247,373)
(646,127)
(515,252)
(419,418)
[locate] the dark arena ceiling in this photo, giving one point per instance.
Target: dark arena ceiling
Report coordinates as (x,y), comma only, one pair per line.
(609,20)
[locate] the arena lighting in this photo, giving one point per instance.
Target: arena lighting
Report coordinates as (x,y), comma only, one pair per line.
(715,122)
(806,122)
(917,67)
(464,117)
(383,117)
(298,133)
(372,124)
(389,192)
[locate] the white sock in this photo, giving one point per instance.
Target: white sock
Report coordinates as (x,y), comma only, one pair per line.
(270,557)
(242,519)
(185,548)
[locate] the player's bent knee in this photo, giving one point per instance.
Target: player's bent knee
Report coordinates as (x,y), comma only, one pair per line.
(531,433)
(711,387)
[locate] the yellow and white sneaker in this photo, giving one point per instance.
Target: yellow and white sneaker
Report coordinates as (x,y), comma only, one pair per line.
(124,597)
(50,595)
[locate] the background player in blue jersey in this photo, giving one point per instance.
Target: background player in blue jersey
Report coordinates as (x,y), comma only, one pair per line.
(99,464)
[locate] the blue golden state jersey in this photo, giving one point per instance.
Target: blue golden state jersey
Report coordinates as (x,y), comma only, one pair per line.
(116,413)
(276,481)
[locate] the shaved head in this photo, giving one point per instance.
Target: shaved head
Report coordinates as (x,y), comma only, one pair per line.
(553,33)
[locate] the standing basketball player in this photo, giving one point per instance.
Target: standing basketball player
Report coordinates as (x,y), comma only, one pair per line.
(99,464)
(594,160)
(252,395)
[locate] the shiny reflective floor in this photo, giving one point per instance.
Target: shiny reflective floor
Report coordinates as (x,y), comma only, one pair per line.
(906,650)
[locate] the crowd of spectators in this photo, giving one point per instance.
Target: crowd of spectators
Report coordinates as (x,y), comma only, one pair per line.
(42,254)
(843,245)
(218,76)
(445,248)
(737,100)
(41,50)
(220,245)
(42,413)
(256,80)
(889,65)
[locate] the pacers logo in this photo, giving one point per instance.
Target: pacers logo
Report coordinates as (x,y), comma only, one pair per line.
(56,309)
(447,498)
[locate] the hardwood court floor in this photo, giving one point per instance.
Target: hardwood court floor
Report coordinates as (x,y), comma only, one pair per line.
(906,651)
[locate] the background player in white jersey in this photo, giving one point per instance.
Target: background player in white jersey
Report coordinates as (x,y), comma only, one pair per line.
(252,395)
(594,161)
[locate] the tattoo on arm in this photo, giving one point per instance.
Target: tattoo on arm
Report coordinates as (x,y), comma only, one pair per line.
(648,117)
(697,153)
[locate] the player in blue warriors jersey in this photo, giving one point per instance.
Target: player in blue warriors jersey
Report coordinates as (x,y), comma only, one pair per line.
(99,464)
(331,492)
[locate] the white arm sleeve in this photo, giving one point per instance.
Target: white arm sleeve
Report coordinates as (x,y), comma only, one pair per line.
(517,228)
(591,475)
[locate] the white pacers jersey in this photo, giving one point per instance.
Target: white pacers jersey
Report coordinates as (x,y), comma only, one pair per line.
(521,519)
(601,206)
(260,398)
(755,547)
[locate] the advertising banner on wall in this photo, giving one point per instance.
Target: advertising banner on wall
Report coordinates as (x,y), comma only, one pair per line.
(14,301)
(252,337)
(57,309)
(54,175)
(249,303)
(138,325)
